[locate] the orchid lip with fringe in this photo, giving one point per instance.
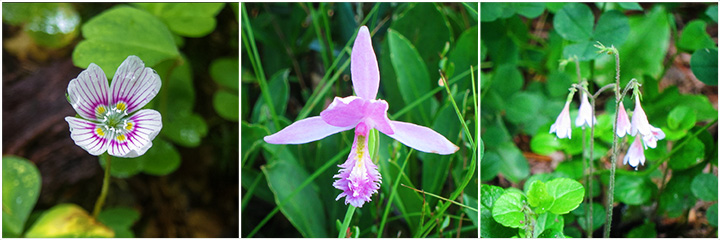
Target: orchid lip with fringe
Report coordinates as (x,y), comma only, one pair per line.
(358,177)
(112,120)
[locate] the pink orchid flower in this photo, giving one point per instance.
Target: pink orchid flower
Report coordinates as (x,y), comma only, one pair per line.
(358,176)
(623,124)
(562,126)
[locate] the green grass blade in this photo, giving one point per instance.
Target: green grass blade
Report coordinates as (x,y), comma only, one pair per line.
(392,194)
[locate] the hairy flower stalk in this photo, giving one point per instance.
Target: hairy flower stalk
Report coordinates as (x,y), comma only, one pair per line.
(358,178)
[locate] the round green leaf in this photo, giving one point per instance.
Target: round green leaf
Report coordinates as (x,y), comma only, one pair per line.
(507,210)
(612,28)
(54,27)
(712,214)
(705,187)
(121,167)
(113,35)
(186,19)
(548,222)
(68,221)
(598,216)
(568,194)
(712,12)
(20,192)
(185,130)
(681,118)
(529,9)
(634,190)
(544,144)
(538,197)
(227,105)
(584,51)
(647,230)
(630,6)
(523,107)
(161,159)
(557,84)
(574,22)
(514,165)
(694,37)
(703,64)
(120,219)
(692,153)
(507,80)
(225,72)
(490,166)
(490,194)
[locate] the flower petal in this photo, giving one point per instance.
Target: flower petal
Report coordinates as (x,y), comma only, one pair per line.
(421,138)
(562,127)
(134,85)
(88,93)
(364,66)
(344,112)
(358,177)
(88,135)
(304,131)
(142,128)
(376,116)
(623,123)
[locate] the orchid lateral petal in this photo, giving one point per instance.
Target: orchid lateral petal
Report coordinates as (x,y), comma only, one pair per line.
(344,112)
(364,66)
(88,135)
(376,113)
(88,93)
(304,131)
(133,85)
(142,128)
(421,138)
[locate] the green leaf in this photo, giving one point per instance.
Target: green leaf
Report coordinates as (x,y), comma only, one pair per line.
(634,190)
(412,76)
(712,12)
(186,19)
(692,154)
(185,130)
(68,221)
(546,223)
(224,71)
(120,219)
(523,107)
(490,11)
(681,118)
(227,105)
(539,198)
(305,210)
(584,51)
(465,54)
(694,37)
(529,9)
(280,86)
(647,230)
(514,165)
(712,213)
(472,202)
(574,22)
(121,167)
(704,65)
(489,228)
(552,233)
(553,7)
(490,166)
(544,144)
(113,35)
(20,192)
(677,195)
(598,215)
(161,159)
(52,25)
(612,28)
(507,80)
(433,179)
(630,6)
(507,210)
(568,194)
(705,187)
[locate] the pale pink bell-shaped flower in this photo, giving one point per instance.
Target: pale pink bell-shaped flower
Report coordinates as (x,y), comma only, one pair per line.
(562,126)
(651,139)
(358,176)
(623,123)
(585,115)
(635,154)
(639,120)
(112,118)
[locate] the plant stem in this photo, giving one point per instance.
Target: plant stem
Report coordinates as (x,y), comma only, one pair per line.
(103,192)
(586,163)
(346,222)
(613,162)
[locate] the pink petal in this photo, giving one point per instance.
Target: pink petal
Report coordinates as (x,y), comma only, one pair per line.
(585,114)
(89,91)
(364,66)
(146,124)
(639,120)
(134,84)
(635,154)
(562,126)
(421,138)
(623,124)
(343,112)
(304,131)
(87,135)
(376,116)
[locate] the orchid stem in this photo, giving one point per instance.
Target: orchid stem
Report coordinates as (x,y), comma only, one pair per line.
(346,222)
(103,192)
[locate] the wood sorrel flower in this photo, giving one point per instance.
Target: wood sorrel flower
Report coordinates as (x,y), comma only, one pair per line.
(358,176)
(562,126)
(112,120)
(623,123)
(585,114)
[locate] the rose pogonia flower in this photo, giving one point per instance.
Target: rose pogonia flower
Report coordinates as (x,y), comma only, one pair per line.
(562,126)
(651,139)
(635,154)
(623,124)
(358,176)
(112,120)
(639,120)
(585,114)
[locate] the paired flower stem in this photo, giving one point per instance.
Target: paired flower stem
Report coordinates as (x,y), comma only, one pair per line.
(613,162)
(103,192)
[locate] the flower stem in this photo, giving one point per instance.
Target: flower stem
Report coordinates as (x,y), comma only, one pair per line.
(346,222)
(613,162)
(103,192)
